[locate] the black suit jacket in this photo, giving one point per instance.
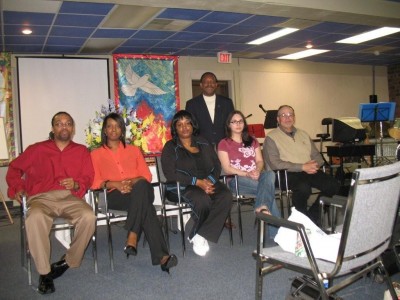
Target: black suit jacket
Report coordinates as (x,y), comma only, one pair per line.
(213,132)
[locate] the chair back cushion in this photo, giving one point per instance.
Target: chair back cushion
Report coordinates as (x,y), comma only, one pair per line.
(371,211)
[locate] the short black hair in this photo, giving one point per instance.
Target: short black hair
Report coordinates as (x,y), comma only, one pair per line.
(51,133)
(183,114)
(208,74)
(61,113)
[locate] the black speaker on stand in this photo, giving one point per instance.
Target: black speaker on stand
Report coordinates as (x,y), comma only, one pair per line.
(373,98)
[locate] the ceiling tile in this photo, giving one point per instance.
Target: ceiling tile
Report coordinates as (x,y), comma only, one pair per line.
(85,8)
(74,27)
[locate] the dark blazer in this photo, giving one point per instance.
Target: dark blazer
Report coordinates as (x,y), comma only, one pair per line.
(178,164)
(213,132)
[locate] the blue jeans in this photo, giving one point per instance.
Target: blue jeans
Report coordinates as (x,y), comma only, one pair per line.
(264,191)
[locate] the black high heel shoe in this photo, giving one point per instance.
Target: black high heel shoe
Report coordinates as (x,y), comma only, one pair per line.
(171,262)
(130,250)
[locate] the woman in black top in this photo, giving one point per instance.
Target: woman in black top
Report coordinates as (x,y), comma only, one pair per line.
(192,161)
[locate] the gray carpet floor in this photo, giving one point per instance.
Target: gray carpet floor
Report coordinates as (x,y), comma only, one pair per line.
(224,273)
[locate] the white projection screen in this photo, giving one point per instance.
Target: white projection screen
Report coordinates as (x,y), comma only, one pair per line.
(46,86)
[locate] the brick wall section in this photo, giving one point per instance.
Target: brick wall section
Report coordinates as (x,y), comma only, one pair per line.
(394,86)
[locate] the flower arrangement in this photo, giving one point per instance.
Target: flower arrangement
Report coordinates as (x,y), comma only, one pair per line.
(133,126)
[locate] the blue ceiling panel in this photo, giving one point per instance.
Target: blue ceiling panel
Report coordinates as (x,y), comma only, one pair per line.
(356,29)
(329,27)
(174,44)
(68,30)
(305,35)
(28,40)
(78,20)
(242,30)
(153,34)
(71,31)
(182,14)
(394,44)
(222,38)
(140,43)
(113,33)
(64,41)
(328,38)
(206,27)
(85,8)
(26,18)
(16,30)
(189,36)
(264,21)
(222,17)
(34,49)
(259,34)
(63,49)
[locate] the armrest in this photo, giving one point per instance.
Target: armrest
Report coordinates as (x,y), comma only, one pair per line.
(222,176)
(269,219)
(24,206)
(337,201)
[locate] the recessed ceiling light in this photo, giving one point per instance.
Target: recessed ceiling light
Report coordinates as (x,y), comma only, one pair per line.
(272,36)
(26,31)
(309,45)
(370,35)
(302,54)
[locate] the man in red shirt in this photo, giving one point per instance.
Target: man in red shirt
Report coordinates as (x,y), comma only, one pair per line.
(54,175)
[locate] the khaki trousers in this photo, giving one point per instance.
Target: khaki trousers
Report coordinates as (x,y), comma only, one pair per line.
(42,210)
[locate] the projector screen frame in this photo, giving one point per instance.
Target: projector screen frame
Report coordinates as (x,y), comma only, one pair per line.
(81,85)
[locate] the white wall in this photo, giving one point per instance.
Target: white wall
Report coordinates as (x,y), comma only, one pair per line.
(315,90)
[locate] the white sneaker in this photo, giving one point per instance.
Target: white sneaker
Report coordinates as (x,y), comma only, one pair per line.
(200,245)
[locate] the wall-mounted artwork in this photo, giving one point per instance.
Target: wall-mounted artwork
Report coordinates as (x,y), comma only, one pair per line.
(6,108)
(146,88)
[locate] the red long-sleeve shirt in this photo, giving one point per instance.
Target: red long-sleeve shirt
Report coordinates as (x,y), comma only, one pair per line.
(41,166)
(125,163)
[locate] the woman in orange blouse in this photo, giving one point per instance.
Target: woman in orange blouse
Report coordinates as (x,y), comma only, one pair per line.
(122,170)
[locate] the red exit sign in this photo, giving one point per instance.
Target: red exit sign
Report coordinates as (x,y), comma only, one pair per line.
(224,57)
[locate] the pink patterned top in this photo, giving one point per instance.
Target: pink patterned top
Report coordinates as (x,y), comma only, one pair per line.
(240,157)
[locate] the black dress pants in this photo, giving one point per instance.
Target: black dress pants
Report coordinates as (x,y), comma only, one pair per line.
(142,216)
(209,211)
(301,183)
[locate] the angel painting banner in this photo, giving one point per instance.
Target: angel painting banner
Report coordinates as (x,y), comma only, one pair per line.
(146,88)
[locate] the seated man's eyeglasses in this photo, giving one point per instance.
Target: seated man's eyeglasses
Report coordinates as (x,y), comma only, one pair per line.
(287,115)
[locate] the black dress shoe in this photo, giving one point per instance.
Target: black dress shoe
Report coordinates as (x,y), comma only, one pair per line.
(46,284)
(58,268)
(130,250)
(171,262)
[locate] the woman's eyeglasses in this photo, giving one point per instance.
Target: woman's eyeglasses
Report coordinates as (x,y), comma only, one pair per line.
(237,122)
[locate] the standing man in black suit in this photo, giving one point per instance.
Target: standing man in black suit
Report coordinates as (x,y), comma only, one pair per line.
(210,110)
